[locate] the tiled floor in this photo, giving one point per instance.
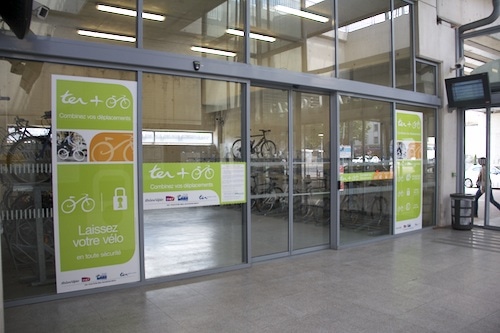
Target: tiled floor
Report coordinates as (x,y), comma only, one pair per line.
(437,280)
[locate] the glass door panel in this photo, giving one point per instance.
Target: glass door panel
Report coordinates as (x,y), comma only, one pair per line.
(476,158)
(191,127)
(311,169)
(366,195)
(269,170)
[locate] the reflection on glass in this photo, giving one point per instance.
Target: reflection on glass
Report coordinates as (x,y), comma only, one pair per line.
(304,38)
(311,170)
(197,28)
(403,41)
(426,77)
(195,122)
(365,50)
(86,21)
(268,171)
(366,195)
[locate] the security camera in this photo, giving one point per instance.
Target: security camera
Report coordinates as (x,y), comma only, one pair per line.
(41,11)
(459,64)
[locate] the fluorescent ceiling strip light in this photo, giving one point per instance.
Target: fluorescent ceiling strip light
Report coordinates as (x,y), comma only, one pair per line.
(104,35)
(129,12)
(302,13)
(252,35)
(213,51)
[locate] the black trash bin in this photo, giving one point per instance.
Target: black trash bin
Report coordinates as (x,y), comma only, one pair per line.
(462,211)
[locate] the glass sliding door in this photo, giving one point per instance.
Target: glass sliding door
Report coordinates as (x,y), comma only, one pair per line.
(289,182)
(366,193)
(311,170)
(269,174)
(189,125)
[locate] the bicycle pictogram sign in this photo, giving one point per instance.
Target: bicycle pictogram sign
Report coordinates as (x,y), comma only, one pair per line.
(112,147)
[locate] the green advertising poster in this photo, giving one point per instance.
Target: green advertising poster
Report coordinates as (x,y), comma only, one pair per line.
(408,171)
(94,182)
(171,185)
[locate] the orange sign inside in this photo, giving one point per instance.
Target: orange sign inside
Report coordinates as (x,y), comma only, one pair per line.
(112,147)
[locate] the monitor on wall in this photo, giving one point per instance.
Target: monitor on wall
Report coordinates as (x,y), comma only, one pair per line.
(468,91)
(17,14)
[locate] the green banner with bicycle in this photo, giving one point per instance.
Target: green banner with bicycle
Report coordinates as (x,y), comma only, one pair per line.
(171,185)
(94,182)
(408,171)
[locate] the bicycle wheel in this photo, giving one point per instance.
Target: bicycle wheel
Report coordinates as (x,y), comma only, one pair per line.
(321,212)
(21,232)
(379,210)
(102,152)
(88,205)
(268,149)
(270,201)
(29,160)
(236,149)
(301,209)
(9,140)
(80,155)
(349,212)
(68,205)
(63,154)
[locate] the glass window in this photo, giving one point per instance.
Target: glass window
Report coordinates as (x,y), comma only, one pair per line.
(366,195)
(211,29)
(87,21)
(27,194)
(429,162)
(365,42)
(191,230)
(302,35)
(426,77)
(403,41)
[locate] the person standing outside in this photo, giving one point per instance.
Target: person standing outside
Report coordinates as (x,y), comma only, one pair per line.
(481,182)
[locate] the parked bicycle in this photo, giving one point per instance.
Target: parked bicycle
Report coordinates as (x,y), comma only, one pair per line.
(19,217)
(262,148)
(266,196)
(28,160)
(366,208)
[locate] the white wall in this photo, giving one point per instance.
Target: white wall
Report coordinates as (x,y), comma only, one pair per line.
(438,21)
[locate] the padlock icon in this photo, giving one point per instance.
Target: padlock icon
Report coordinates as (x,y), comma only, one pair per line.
(119,199)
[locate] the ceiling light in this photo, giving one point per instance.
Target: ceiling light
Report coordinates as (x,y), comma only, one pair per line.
(302,13)
(129,12)
(213,51)
(252,35)
(105,35)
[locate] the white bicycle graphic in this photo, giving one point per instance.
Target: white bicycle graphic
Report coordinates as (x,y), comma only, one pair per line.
(122,101)
(69,205)
(207,171)
(78,154)
(105,151)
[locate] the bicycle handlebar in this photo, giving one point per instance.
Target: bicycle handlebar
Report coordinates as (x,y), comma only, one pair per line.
(20,121)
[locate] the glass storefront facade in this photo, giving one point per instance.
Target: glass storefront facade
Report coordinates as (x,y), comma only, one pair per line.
(290,122)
